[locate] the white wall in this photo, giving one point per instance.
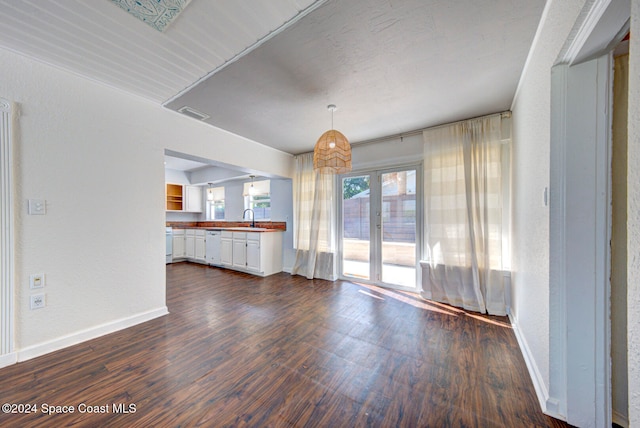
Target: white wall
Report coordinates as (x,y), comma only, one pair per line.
(97,156)
(633,219)
(531,169)
(387,153)
(176,177)
(282,210)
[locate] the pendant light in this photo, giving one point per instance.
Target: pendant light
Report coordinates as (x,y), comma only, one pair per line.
(252,190)
(332,153)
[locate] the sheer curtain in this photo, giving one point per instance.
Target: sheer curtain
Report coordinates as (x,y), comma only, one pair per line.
(466,170)
(314,219)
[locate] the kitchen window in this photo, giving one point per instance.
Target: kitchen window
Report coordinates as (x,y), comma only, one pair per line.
(257,197)
(215,203)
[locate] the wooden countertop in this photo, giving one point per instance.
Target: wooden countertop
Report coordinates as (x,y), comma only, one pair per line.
(237,226)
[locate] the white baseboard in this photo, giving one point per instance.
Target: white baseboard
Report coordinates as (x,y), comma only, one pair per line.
(88,334)
(8,359)
(549,405)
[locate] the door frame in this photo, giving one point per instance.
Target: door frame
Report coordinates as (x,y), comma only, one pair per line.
(375,200)
(579,339)
(7,261)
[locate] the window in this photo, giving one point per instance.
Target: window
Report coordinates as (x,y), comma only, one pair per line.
(215,203)
(257,197)
(261,206)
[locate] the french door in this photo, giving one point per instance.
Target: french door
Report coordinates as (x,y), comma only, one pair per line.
(380,219)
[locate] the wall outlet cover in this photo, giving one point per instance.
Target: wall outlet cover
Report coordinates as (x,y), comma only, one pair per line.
(38,301)
(37,207)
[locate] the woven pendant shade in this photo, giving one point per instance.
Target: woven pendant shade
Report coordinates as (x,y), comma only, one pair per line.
(332,153)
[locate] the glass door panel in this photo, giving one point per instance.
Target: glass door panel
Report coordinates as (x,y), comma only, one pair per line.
(356,227)
(398,228)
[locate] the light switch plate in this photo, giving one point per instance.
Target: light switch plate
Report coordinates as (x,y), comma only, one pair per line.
(37,207)
(36,280)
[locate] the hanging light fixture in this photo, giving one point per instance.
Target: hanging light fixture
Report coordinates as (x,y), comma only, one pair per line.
(210,192)
(252,190)
(332,153)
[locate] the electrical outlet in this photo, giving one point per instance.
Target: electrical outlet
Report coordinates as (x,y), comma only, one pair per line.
(38,301)
(36,280)
(37,207)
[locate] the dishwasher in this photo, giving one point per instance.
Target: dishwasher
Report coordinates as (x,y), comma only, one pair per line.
(212,247)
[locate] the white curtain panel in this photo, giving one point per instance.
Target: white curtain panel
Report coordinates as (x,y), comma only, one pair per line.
(466,183)
(314,220)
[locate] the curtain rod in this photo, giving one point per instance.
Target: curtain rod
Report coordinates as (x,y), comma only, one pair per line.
(504,114)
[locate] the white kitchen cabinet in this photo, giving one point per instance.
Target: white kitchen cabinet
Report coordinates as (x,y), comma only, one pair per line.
(199,245)
(253,251)
(178,244)
(193,201)
(240,250)
(270,252)
(258,253)
(183,198)
(226,248)
(194,244)
(190,244)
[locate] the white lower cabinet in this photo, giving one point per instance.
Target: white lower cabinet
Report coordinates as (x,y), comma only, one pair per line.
(177,239)
(199,249)
(253,251)
(239,250)
(259,253)
(269,256)
(226,248)
(190,243)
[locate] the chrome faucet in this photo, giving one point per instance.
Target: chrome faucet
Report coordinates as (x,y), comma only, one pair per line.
(253,216)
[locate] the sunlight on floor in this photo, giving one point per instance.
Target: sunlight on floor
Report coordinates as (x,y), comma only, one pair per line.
(417,301)
(404,276)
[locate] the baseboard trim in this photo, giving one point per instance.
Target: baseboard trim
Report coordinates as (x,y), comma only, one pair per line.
(8,359)
(88,334)
(549,405)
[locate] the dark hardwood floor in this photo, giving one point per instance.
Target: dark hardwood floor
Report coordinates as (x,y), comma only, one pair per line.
(282,351)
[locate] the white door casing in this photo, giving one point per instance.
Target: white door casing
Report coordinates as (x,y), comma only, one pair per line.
(580,219)
(7,354)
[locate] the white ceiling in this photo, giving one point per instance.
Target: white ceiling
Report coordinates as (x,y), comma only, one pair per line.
(266,70)
(99,40)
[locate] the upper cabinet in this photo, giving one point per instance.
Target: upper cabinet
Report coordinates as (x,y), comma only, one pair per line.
(174,197)
(184,198)
(193,203)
